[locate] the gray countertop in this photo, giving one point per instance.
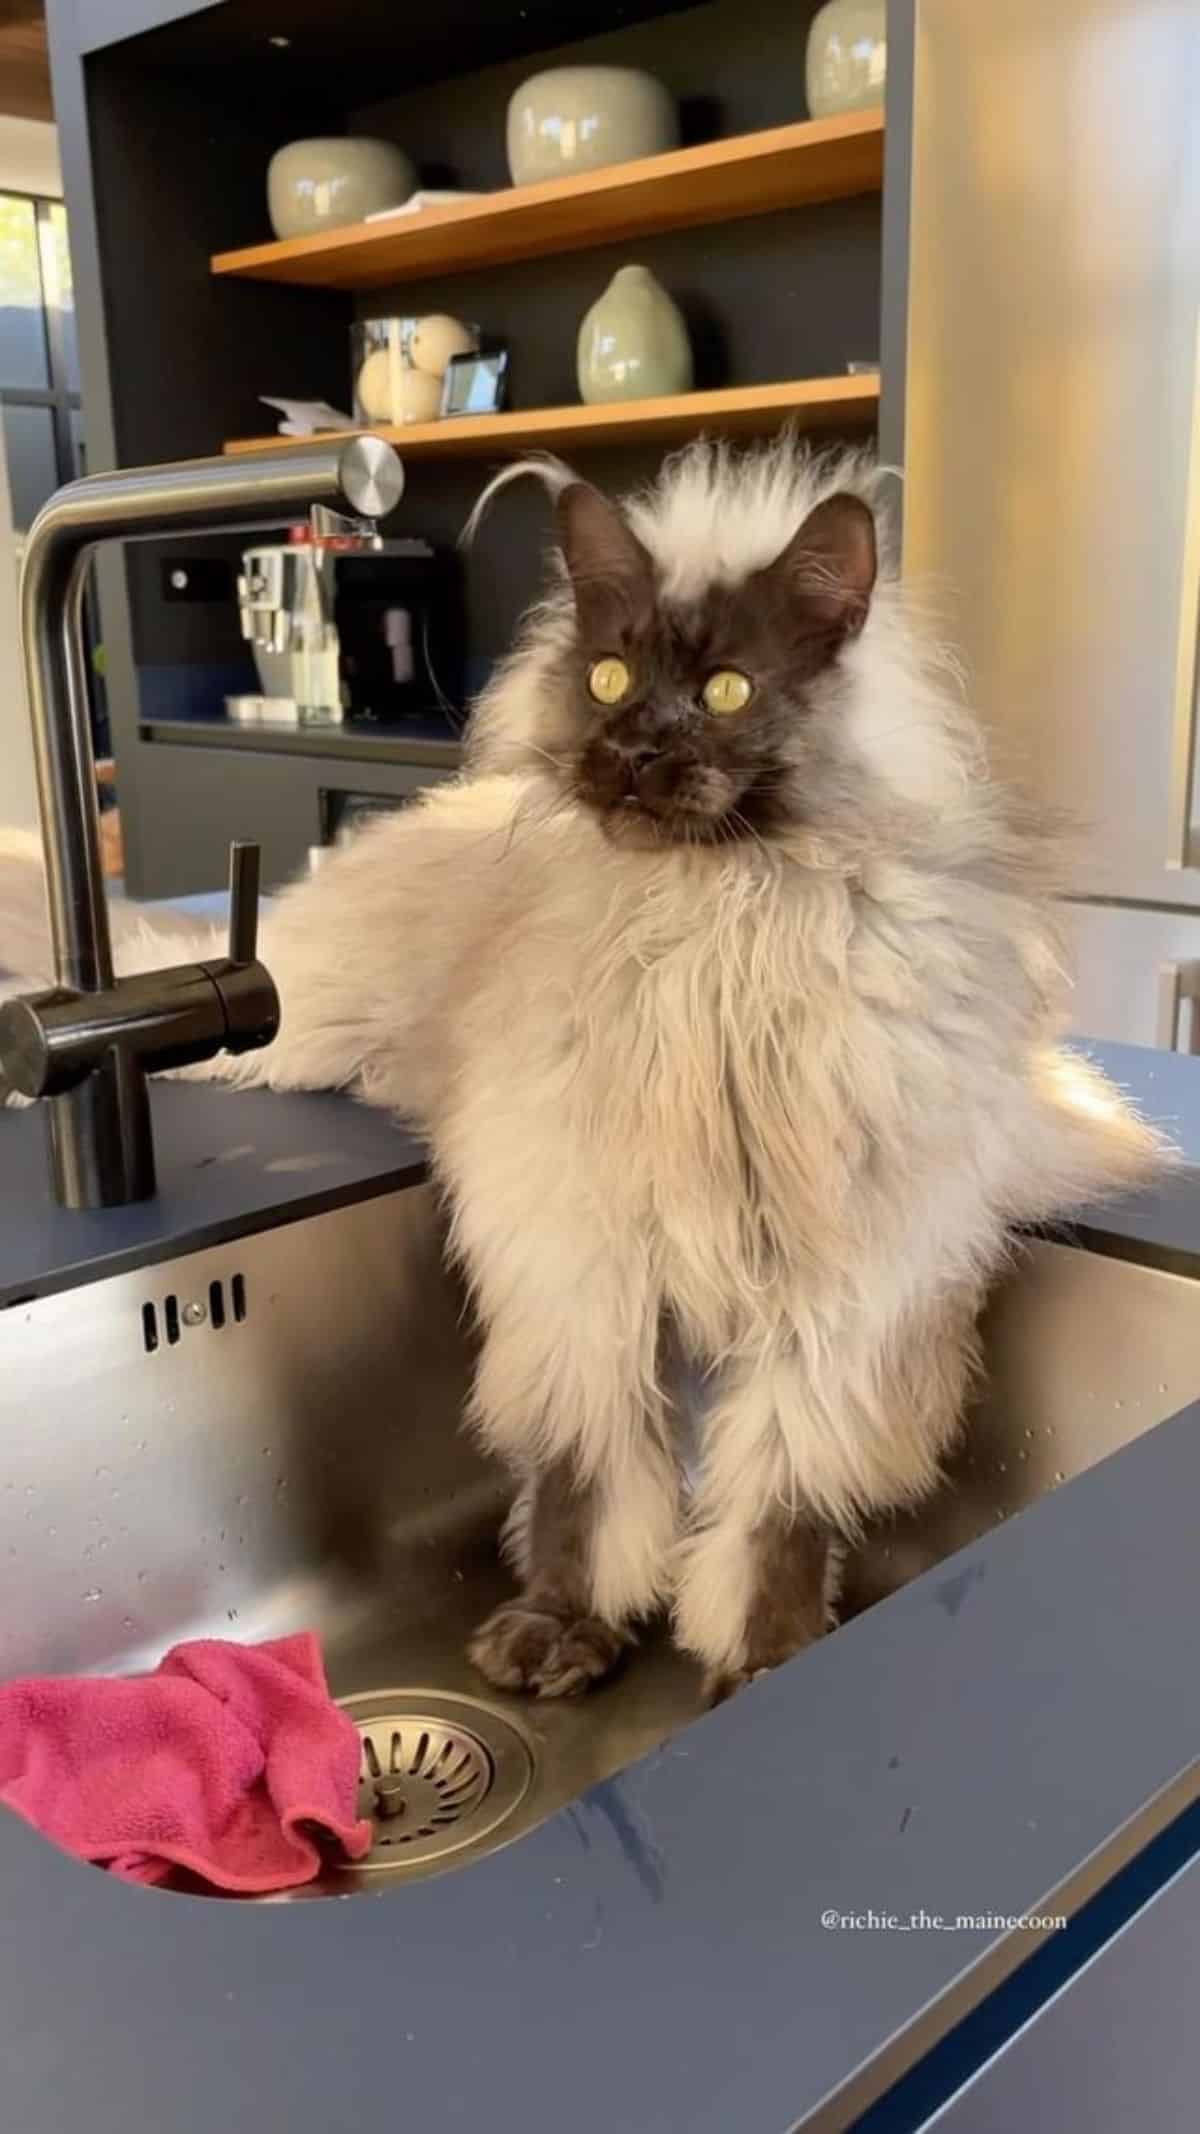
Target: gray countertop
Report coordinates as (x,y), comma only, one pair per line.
(995,1738)
(426,742)
(228,1163)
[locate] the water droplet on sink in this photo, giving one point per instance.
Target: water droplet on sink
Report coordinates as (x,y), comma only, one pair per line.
(1059,1476)
(1162,1386)
(143,1444)
(103,1542)
(1029,1431)
(103,1473)
(220,1567)
(30,1491)
(232,1614)
(89,1548)
(243,1499)
(266,1451)
(94,1593)
(142,1577)
(127,1622)
(51,1531)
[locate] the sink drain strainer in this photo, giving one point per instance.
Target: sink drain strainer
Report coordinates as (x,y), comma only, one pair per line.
(437,1774)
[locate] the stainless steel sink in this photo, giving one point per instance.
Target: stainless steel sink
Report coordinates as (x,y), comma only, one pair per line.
(264,1437)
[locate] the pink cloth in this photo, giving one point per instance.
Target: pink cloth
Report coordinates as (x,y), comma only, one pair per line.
(228,1760)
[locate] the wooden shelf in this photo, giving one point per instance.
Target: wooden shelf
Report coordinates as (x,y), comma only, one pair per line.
(743,410)
(753,174)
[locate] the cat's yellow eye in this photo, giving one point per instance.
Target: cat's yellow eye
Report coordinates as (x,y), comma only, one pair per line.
(609,680)
(727,690)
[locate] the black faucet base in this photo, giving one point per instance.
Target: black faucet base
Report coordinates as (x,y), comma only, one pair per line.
(101,1147)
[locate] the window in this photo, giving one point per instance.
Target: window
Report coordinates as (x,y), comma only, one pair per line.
(39,353)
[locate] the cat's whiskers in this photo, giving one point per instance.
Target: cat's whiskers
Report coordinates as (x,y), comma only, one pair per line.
(535,749)
(559,806)
(742,822)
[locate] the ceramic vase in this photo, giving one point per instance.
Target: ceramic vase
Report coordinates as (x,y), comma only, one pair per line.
(323,184)
(572,119)
(633,343)
(847,57)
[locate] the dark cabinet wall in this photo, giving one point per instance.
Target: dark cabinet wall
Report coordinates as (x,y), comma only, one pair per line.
(179,119)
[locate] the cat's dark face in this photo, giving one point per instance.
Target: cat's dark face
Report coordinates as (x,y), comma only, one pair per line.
(692,723)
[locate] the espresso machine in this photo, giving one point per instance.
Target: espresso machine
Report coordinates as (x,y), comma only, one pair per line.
(346,625)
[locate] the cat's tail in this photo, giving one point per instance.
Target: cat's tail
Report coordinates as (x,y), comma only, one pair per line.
(310,953)
(142,940)
(24,932)
(1086,1142)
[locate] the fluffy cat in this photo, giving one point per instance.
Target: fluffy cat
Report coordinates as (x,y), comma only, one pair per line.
(723,985)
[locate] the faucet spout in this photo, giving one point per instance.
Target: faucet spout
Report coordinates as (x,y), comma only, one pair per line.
(101,1147)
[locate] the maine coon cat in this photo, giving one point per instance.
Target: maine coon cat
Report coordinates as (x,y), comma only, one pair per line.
(724,987)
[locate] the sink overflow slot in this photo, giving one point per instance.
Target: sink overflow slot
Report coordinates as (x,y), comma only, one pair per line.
(194,1313)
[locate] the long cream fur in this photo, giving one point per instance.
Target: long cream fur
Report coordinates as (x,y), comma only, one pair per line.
(792,1096)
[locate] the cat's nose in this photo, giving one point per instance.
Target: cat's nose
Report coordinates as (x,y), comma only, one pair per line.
(638,760)
(629,761)
(636,763)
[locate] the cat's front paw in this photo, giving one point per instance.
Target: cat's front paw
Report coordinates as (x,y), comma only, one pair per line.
(522,1647)
(721,1683)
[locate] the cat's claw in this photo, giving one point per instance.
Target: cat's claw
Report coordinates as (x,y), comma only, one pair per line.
(723,1683)
(525,1648)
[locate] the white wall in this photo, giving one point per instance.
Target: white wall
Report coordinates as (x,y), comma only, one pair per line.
(28,164)
(29,157)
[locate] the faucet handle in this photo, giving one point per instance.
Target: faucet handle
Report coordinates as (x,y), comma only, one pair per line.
(249,1004)
(244,869)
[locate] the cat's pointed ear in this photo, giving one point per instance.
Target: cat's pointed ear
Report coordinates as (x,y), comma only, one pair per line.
(610,571)
(826,574)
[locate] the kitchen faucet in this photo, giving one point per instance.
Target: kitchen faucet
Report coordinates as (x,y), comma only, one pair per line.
(88,1044)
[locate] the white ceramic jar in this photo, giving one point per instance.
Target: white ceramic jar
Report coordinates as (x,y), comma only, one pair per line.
(633,343)
(324,183)
(572,119)
(847,57)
